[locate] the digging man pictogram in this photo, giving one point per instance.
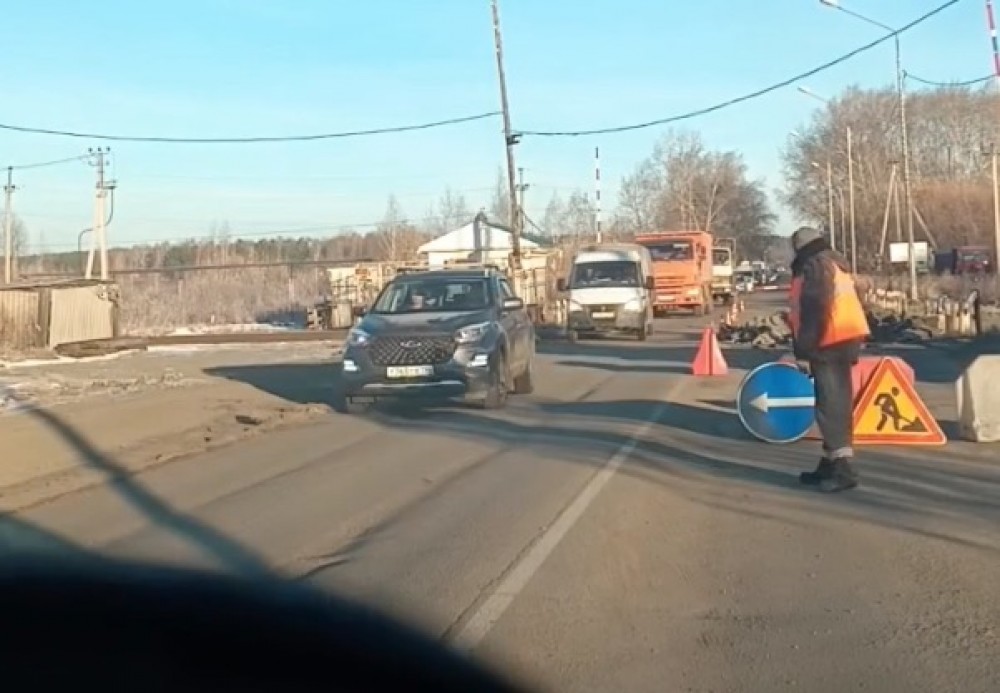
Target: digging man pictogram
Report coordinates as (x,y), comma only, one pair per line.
(886,402)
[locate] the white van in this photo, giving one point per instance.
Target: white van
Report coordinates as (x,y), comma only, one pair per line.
(609,290)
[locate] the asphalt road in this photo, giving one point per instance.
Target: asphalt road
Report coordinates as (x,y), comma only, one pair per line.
(614,531)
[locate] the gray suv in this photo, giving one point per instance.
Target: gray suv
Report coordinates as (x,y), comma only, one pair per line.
(439,335)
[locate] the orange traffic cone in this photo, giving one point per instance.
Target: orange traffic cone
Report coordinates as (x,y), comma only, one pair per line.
(709,359)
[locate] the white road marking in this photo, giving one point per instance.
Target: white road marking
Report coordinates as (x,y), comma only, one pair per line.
(620,360)
(482,621)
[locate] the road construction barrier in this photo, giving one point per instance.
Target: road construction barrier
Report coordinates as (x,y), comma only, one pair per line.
(887,409)
(979,400)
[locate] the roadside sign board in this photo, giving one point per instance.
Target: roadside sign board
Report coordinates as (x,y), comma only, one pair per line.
(776,402)
(890,412)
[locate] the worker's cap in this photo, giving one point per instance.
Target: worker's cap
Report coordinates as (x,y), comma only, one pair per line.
(804,236)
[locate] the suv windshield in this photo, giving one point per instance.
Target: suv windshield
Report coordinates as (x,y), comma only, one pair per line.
(432,295)
(618,273)
(671,250)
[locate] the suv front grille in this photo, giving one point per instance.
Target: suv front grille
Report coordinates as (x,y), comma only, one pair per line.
(410,351)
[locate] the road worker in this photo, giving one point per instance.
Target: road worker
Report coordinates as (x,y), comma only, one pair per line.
(828,326)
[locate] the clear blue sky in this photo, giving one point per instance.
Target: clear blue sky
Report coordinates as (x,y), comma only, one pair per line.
(251,67)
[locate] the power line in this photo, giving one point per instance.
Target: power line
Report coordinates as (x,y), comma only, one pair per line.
(746,97)
(933,83)
(43,164)
(276,234)
(247,140)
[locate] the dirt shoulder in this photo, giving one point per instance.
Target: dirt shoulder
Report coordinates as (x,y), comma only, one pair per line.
(68,425)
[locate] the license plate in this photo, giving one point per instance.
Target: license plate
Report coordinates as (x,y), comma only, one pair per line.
(602,315)
(409,371)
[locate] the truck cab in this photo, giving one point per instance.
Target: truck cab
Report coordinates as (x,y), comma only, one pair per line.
(609,291)
(722,272)
(682,267)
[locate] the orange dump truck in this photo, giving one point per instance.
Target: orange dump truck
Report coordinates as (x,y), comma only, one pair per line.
(682,270)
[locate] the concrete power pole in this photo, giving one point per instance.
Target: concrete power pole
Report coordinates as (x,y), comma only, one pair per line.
(8,227)
(511,141)
(99,235)
(992,153)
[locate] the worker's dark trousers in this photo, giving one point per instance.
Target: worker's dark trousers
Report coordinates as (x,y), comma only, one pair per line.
(834,406)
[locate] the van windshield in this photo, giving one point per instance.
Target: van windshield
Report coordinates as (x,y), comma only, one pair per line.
(617,273)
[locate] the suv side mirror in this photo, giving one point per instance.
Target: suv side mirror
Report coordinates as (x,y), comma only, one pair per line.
(561,284)
(511,304)
(650,283)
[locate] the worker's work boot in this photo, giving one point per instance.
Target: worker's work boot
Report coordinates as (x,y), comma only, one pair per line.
(842,478)
(822,471)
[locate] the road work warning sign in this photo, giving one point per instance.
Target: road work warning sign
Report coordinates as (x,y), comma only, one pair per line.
(890,412)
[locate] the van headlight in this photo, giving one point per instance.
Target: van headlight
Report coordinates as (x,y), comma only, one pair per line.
(472,334)
(357,337)
(633,305)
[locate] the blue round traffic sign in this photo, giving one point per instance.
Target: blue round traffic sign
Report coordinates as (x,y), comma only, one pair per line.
(776,402)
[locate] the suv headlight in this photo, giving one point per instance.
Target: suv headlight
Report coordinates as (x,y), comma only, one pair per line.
(633,306)
(472,333)
(357,337)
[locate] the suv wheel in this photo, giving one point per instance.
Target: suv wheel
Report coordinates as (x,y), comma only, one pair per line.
(343,404)
(496,393)
(523,384)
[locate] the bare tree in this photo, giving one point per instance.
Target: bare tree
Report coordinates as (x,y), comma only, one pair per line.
(500,203)
(553,219)
(947,129)
(685,186)
(452,212)
(397,238)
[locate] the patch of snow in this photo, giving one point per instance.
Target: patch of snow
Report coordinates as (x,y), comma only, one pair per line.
(9,400)
(234,328)
(64,360)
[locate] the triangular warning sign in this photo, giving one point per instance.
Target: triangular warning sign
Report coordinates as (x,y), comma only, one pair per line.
(890,412)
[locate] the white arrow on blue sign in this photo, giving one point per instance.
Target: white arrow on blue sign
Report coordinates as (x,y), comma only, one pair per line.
(776,403)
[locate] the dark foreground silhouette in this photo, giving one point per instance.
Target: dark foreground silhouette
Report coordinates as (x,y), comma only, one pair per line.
(92,624)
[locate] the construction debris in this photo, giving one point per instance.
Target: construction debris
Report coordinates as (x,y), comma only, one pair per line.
(892,329)
(760,332)
(767,332)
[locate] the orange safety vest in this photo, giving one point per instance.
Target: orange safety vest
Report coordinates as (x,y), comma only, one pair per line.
(847,320)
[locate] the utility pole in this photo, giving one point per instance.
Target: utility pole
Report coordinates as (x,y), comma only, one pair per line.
(100,231)
(907,184)
(511,141)
(850,194)
(992,153)
(991,25)
(829,204)
(8,227)
(597,193)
